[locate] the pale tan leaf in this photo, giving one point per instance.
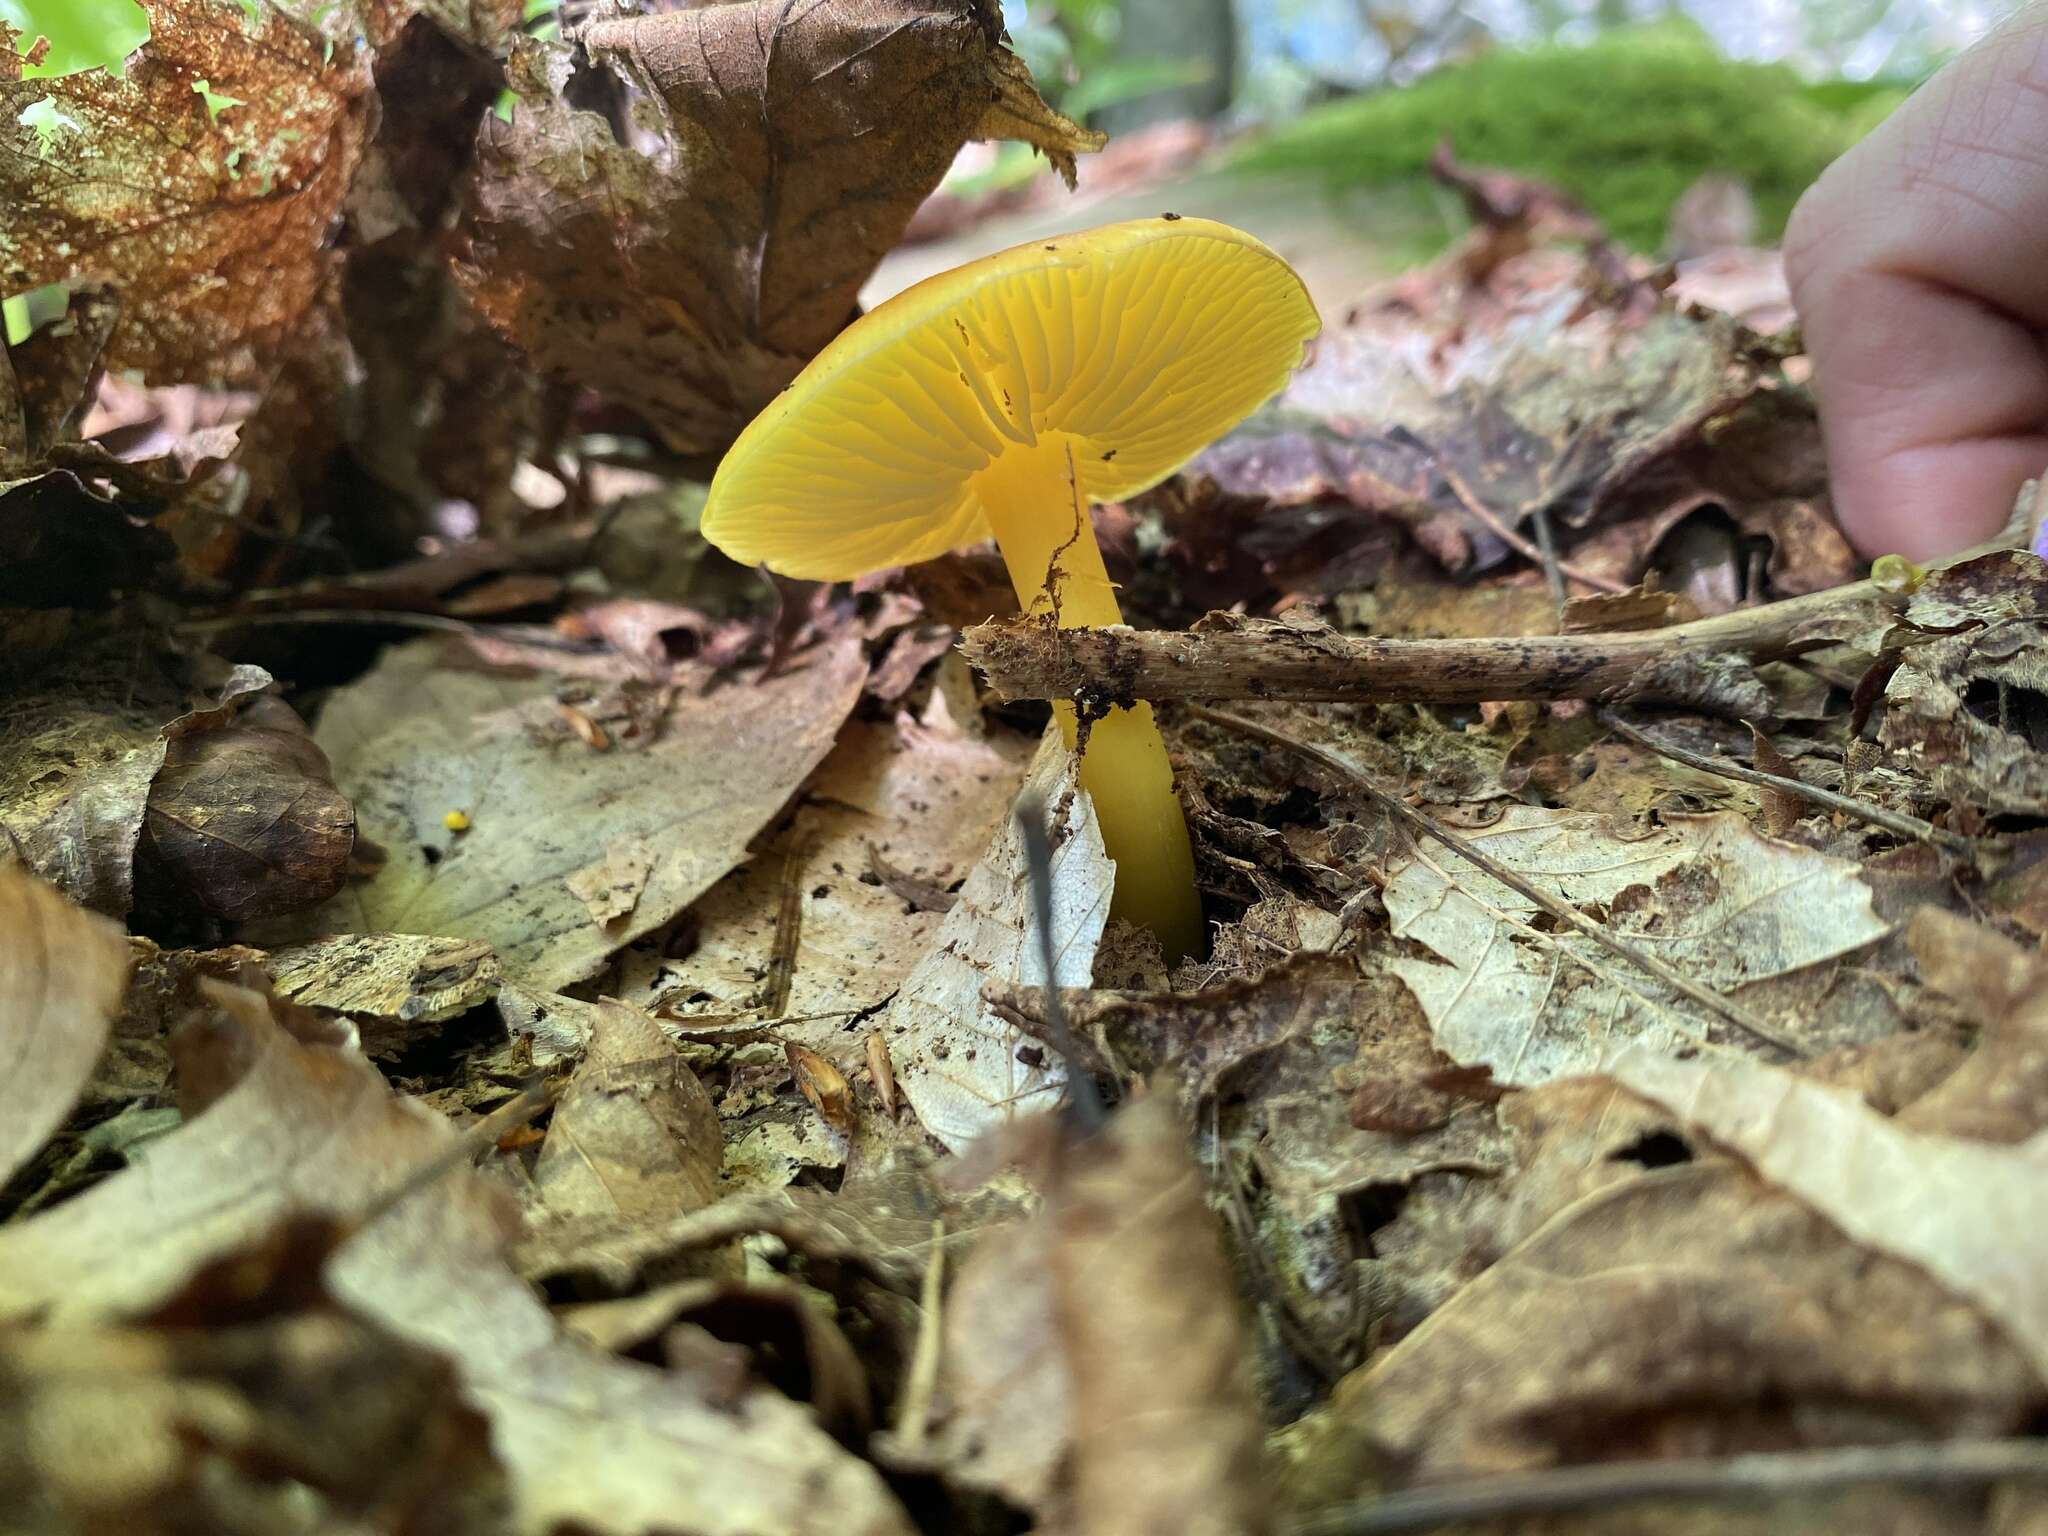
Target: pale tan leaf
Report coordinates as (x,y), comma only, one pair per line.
(62,972)
(957,1063)
(415,740)
(1704,893)
(1967,1212)
(599,1444)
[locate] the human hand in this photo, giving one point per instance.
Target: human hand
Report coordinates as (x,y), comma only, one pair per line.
(1919,266)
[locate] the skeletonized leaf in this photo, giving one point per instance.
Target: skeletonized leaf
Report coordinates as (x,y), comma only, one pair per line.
(1705,893)
(961,1067)
(202,182)
(792,145)
(62,971)
(415,740)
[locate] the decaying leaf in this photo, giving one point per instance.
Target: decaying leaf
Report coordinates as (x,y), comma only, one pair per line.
(962,1069)
(62,971)
(1166,1428)
(416,739)
(1728,1316)
(634,1136)
(607,1445)
(1965,703)
(406,978)
(368,1431)
(925,795)
(247,817)
(210,220)
(791,146)
(1949,1205)
(79,758)
(1703,893)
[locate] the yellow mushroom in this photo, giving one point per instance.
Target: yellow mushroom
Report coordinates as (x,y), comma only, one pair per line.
(998,399)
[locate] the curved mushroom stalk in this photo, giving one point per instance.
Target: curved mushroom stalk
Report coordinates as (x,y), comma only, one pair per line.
(1055,563)
(1002,397)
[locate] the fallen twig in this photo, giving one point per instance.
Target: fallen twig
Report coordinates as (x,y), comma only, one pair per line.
(1936,1464)
(1722,1007)
(1876,815)
(1274,659)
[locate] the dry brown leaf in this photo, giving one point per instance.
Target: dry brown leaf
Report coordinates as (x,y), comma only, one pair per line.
(209,211)
(634,1136)
(246,818)
(62,973)
(792,145)
(1683,1311)
(417,738)
(172,1427)
(606,1445)
(926,795)
(1967,1212)
(81,753)
(1167,1437)
(1005,1398)
(824,1085)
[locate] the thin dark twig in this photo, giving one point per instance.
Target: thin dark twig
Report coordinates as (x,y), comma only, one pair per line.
(1933,1464)
(1519,542)
(1553,569)
(1084,1095)
(386,618)
(1892,821)
(537,1096)
(1722,1007)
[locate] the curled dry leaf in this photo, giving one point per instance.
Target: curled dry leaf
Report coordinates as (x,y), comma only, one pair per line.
(1167,1436)
(792,145)
(1704,893)
(1728,1316)
(962,1068)
(824,1085)
(602,1445)
(370,1430)
(417,738)
(62,973)
(208,210)
(634,1136)
(400,977)
(1964,1211)
(246,817)
(80,755)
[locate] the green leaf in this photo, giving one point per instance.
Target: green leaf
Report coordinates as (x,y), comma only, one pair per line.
(83,34)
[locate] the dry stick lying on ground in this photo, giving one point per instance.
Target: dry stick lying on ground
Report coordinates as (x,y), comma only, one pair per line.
(1876,815)
(1723,1008)
(1026,659)
(1933,1464)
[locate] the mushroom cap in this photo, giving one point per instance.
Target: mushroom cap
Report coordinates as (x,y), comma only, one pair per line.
(1131,346)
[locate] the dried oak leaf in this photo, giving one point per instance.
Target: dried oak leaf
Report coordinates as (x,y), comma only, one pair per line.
(62,971)
(200,183)
(791,146)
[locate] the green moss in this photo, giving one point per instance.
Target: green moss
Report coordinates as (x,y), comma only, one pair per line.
(1626,124)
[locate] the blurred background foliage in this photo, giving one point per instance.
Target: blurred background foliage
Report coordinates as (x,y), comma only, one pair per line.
(1625,103)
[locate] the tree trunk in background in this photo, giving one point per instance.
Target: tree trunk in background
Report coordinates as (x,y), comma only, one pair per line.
(1204,30)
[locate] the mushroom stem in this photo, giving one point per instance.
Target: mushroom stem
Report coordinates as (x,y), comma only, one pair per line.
(1039,520)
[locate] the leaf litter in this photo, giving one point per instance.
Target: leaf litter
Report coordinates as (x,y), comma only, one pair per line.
(595,1066)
